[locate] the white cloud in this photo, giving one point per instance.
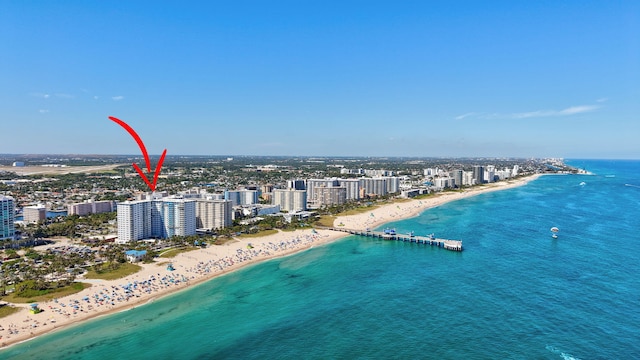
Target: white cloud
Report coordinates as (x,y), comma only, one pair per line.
(64,96)
(40,95)
(117,98)
(43,111)
(95,98)
(572,110)
(460,117)
(578,109)
(601,100)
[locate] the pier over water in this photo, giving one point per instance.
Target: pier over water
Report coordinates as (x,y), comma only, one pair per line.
(453,245)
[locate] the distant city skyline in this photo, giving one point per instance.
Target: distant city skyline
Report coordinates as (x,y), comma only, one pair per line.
(289,78)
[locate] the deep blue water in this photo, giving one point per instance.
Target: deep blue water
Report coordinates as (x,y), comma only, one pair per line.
(514,292)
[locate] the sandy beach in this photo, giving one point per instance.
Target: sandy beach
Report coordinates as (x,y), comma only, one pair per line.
(155,280)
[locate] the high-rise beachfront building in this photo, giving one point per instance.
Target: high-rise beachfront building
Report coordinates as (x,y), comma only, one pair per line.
(179,217)
(34,213)
(213,214)
(312,196)
(489,173)
(457,176)
(352,186)
(134,220)
(478,175)
(327,196)
(242,197)
(159,218)
(393,184)
(7,218)
(374,186)
(443,182)
(290,200)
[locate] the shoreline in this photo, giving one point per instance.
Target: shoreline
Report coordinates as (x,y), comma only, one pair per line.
(154,281)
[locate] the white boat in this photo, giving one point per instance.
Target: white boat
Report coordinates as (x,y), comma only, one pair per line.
(554,232)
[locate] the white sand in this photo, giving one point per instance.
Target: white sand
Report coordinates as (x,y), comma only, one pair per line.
(154,280)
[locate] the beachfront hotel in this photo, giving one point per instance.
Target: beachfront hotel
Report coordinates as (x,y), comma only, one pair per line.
(7,218)
(158,218)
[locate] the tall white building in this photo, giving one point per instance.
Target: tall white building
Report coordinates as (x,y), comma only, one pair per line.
(290,200)
(312,195)
(352,186)
(161,218)
(489,173)
(377,186)
(478,175)
(134,220)
(179,217)
(7,218)
(326,196)
(213,214)
(443,182)
(393,184)
(457,176)
(242,197)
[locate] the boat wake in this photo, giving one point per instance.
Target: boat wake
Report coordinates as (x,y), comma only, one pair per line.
(631,185)
(564,355)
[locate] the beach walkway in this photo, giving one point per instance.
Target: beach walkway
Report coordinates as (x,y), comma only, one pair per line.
(453,245)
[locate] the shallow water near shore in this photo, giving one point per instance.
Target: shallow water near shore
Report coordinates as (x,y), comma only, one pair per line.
(514,292)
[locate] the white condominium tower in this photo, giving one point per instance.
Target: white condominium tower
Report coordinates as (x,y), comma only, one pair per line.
(242,197)
(290,200)
(7,217)
(179,217)
(213,214)
(134,220)
(160,218)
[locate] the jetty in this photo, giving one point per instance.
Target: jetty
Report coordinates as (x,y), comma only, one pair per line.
(453,245)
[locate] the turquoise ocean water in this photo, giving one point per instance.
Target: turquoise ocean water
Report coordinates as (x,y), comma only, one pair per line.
(513,293)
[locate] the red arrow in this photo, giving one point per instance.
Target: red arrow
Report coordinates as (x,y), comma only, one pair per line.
(135,136)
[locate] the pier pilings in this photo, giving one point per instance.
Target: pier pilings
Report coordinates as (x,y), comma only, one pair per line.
(453,245)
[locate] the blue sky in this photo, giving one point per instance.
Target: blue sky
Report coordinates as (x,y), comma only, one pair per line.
(371,78)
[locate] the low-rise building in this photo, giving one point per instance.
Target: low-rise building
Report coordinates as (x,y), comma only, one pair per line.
(34,213)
